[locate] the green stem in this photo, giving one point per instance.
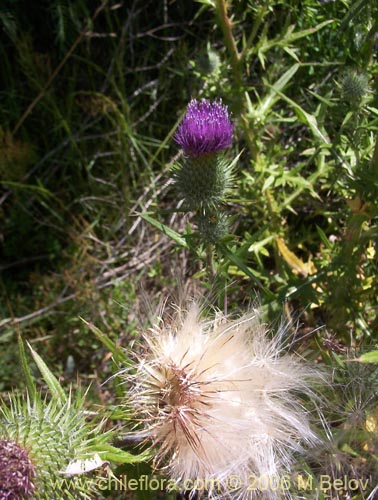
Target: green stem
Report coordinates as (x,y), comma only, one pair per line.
(374,160)
(210,268)
(275,221)
(236,60)
(226,27)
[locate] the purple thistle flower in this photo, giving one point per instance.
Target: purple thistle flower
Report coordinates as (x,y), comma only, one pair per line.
(205,128)
(16,472)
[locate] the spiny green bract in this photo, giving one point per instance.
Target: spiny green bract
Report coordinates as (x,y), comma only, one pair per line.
(204,181)
(53,435)
(212,227)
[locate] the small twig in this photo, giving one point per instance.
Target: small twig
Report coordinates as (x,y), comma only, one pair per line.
(35,314)
(21,262)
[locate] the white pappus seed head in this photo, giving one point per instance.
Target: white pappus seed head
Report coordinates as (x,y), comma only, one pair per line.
(218,398)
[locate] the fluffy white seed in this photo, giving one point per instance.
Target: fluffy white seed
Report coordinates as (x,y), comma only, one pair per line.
(220,398)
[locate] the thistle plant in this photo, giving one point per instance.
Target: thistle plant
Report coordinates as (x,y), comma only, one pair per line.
(204,175)
(218,397)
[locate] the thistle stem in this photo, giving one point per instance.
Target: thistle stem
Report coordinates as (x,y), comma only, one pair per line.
(210,268)
(374,160)
(236,60)
(226,27)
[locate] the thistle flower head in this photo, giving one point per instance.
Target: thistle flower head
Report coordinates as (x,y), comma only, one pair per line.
(38,441)
(218,398)
(17,471)
(205,128)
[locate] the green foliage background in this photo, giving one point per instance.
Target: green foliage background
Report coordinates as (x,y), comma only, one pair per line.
(90,224)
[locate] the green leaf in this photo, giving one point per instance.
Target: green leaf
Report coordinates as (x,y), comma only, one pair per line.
(232,257)
(268,182)
(256,246)
(209,3)
(113,454)
(32,391)
(119,354)
(291,53)
(324,238)
(166,230)
(368,357)
(290,36)
(297,35)
(308,119)
(52,382)
(268,102)
(29,187)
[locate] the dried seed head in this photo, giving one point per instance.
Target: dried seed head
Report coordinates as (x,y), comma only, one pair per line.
(218,398)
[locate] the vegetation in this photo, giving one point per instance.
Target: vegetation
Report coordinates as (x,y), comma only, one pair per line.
(94,231)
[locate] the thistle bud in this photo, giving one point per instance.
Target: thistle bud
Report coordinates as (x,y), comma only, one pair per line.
(354,87)
(212,227)
(208,62)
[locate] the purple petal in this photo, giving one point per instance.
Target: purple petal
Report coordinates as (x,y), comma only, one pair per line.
(205,128)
